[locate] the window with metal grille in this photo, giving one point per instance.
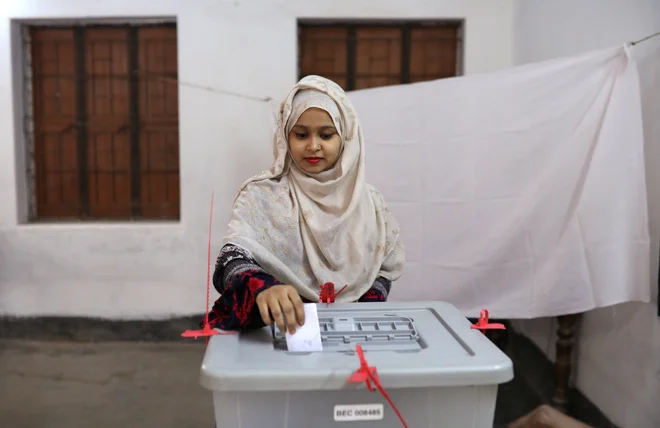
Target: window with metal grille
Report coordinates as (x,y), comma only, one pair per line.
(104,129)
(367,55)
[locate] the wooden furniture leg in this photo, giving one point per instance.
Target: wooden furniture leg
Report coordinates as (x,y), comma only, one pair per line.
(564,358)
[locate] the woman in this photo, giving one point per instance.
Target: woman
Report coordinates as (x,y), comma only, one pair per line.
(308,220)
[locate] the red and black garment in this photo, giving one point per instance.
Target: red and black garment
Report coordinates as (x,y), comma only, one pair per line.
(239,279)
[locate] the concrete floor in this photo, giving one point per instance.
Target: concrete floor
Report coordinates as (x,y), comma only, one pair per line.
(80,381)
(120,384)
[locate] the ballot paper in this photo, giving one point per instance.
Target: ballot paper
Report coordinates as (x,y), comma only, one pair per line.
(307,337)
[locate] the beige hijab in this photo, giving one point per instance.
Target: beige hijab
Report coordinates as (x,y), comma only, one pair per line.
(308,229)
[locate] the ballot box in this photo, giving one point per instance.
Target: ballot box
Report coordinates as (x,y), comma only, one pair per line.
(436,370)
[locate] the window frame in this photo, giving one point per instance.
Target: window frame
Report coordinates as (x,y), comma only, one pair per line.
(406,26)
(23,72)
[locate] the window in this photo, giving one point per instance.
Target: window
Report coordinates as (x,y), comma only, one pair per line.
(360,56)
(103,122)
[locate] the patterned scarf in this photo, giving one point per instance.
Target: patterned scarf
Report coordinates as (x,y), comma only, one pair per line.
(308,229)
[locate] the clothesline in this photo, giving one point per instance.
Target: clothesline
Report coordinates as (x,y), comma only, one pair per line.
(645,38)
(268,99)
(217,90)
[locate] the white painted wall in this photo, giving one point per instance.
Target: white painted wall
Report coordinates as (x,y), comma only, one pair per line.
(618,358)
(159,270)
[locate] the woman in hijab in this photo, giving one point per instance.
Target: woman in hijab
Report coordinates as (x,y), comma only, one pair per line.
(308,220)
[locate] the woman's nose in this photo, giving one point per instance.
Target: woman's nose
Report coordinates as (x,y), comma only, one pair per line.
(313,144)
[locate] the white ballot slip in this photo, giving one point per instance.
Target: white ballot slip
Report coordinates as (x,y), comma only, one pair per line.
(307,337)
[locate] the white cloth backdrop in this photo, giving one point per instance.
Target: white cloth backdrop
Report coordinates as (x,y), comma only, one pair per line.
(521,191)
(647,58)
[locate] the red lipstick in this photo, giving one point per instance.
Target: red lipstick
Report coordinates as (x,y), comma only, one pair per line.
(313,160)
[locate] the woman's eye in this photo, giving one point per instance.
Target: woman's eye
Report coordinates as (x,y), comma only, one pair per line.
(327,136)
(301,136)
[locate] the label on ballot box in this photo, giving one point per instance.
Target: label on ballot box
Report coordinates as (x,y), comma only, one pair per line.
(358,412)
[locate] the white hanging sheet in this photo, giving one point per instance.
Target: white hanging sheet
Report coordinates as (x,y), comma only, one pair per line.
(521,191)
(646,56)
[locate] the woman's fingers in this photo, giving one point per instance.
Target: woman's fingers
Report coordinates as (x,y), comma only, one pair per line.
(289,313)
(281,305)
(298,305)
(264,311)
(276,312)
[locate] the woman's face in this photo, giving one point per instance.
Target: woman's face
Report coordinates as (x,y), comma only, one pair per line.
(314,141)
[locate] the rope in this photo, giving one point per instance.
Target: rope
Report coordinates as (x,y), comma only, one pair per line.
(645,38)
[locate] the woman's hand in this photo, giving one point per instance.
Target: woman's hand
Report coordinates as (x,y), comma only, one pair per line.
(281,304)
